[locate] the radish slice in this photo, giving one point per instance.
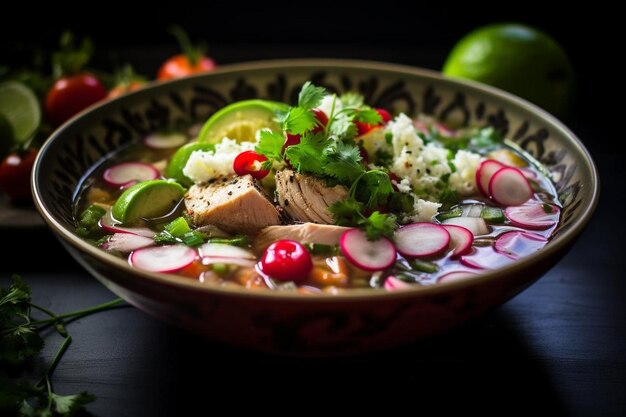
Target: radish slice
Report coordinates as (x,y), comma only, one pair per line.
(461,239)
(222,250)
(128,173)
(421,239)
(365,254)
(536,215)
(485,171)
(165,140)
(393,283)
(170,258)
(529,174)
(509,187)
(517,244)
(110,225)
(228,260)
(126,242)
(486,259)
(456,276)
(476,225)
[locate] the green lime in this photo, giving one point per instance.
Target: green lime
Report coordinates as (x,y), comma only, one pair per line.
(241,120)
(179,160)
(147,199)
(19,105)
(518,59)
(6,135)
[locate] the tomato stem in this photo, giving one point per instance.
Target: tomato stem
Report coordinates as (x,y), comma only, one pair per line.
(191,51)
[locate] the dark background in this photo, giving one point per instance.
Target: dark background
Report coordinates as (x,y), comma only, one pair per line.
(557,349)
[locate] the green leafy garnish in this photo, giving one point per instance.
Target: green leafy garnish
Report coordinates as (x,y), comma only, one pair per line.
(20,342)
(88,222)
(349,212)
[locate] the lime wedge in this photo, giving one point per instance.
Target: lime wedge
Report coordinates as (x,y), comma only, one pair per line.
(19,105)
(241,120)
(147,199)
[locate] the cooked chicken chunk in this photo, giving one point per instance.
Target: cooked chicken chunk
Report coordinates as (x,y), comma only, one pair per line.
(233,204)
(304,233)
(306,198)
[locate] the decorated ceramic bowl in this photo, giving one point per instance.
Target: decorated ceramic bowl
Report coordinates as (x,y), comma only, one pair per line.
(350,322)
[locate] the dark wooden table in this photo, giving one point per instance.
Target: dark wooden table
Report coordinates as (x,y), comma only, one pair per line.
(559,348)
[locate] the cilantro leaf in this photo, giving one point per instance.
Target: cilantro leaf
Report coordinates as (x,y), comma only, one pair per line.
(351,100)
(379,224)
(346,212)
(69,404)
(369,116)
(308,155)
(310,96)
(344,162)
(342,126)
(373,189)
(299,120)
(271,145)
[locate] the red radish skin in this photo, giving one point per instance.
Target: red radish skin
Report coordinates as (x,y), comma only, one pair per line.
(165,141)
(486,258)
(126,242)
(509,187)
(164,259)
(392,283)
(476,225)
(518,244)
(461,239)
(533,215)
(456,276)
(128,173)
(107,223)
(365,254)
(485,171)
(421,239)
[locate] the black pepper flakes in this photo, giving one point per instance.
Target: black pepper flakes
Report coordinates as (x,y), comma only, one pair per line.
(286,202)
(230,193)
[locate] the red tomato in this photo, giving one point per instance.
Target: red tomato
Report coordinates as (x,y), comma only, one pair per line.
(122,89)
(363,128)
(286,260)
(249,162)
(322,120)
(179,66)
(15,175)
(71,94)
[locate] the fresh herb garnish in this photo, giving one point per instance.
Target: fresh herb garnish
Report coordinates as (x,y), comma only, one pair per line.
(20,342)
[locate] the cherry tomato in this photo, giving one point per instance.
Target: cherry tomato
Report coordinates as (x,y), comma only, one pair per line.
(179,66)
(286,260)
(122,89)
(363,128)
(322,121)
(250,162)
(15,175)
(71,94)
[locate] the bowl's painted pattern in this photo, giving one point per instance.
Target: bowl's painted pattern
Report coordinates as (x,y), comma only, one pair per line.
(356,322)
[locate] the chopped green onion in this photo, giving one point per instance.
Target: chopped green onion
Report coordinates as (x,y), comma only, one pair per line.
(192,238)
(424,266)
(221,269)
(388,137)
(88,221)
(236,241)
(165,238)
(319,249)
(455,212)
(492,214)
(178,227)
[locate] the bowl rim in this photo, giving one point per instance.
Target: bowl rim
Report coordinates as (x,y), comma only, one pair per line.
(556,244)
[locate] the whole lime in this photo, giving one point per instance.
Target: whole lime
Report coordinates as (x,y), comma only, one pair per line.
(518,59)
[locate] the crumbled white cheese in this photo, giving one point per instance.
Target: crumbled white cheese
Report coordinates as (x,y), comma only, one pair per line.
(424,211)
(203,166)
(464,179)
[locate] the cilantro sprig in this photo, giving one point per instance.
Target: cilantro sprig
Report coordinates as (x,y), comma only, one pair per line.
(21,342)
(332,153)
